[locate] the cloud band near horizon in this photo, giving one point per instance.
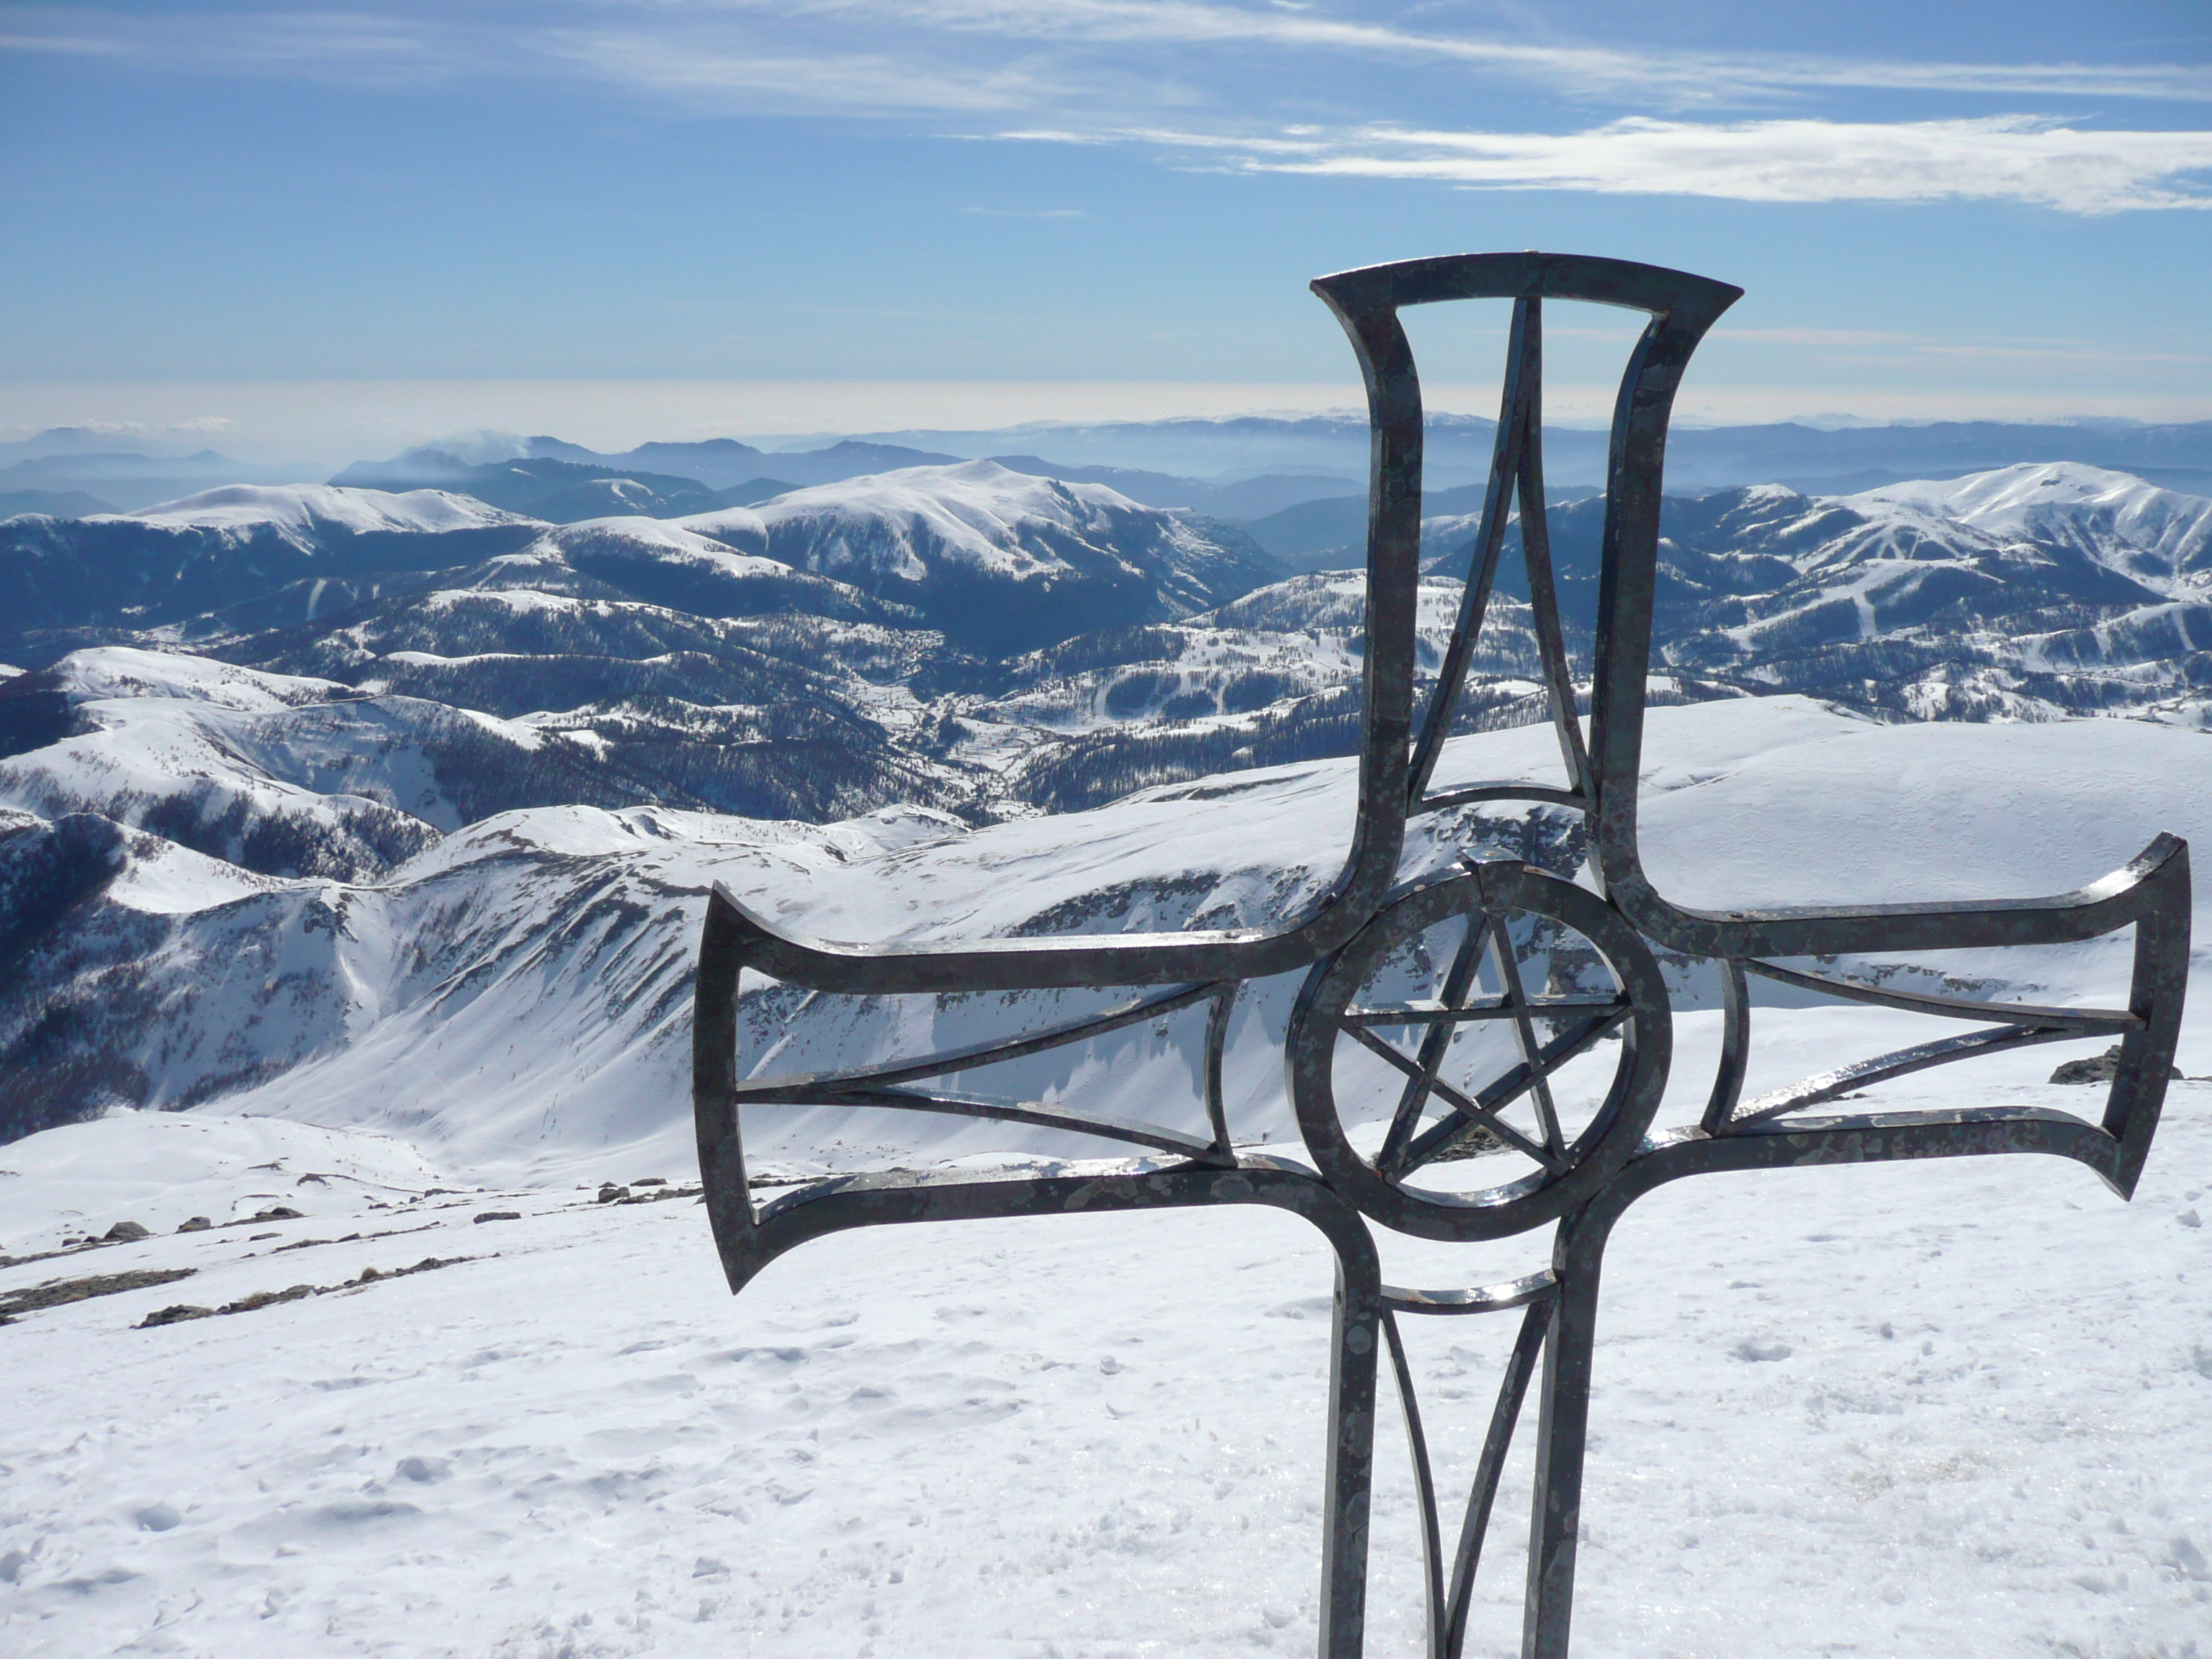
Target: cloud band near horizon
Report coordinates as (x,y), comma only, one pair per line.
(2029,160)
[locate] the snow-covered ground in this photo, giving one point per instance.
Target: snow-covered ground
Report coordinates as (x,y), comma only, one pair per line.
(1954,1409)
(1939,1410)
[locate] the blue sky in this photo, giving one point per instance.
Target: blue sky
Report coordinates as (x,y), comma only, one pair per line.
(655,218)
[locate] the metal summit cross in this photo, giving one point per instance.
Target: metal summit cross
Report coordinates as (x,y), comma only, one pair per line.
(1547,990)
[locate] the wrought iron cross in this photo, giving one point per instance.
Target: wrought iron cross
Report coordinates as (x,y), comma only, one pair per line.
(1407,983)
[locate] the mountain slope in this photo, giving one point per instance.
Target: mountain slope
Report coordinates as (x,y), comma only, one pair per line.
(2042,589)
(2154,537)
(523,983)
(530,471)
(701,673)
(278,774)
(1000,560)
(557,491)
(381,736)
(137,570)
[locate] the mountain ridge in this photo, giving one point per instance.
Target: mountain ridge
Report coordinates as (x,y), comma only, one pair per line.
(468,743)
(543,953)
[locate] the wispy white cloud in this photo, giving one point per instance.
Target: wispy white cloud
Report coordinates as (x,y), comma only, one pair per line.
(1181,75)
(1817,337)
(1296,142)
(2036,354)
(1102,56)
(1688,77)
(728,72)
(2013,158)
(358,47)
(61,43)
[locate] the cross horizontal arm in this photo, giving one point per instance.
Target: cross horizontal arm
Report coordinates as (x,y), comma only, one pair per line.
(807,1086)
(1423,1012)
(1827,1085)
(1036,1112)
(2085,1022)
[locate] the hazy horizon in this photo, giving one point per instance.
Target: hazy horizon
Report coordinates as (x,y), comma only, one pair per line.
(325,426)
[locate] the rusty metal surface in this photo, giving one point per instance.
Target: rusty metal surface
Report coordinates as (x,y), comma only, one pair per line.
(1505,919)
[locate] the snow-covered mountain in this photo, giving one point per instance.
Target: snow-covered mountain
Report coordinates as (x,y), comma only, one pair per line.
(1699,459)
(684,663)
(167,563)
(301,774)
(301,515)
(2152,536)
(561,491)
(364,716)
(521,986)
(1269,678)
(281,775)
(2029,592)
(997,559)
(679,568)
(496,462)
(1000,560)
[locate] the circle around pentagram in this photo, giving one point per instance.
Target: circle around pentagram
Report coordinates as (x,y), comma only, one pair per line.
(1508,902)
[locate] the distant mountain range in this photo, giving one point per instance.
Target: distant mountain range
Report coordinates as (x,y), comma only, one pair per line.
(80,482)
(676,477)
(1245,469)
(1254,468)
(982,640)
(1814,459)
(998,559)
(258,685)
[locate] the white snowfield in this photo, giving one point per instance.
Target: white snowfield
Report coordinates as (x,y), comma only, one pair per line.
(1936,1409)
(733,523)
(297,510)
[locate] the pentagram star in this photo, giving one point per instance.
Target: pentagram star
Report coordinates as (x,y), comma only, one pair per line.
(1406,1147)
